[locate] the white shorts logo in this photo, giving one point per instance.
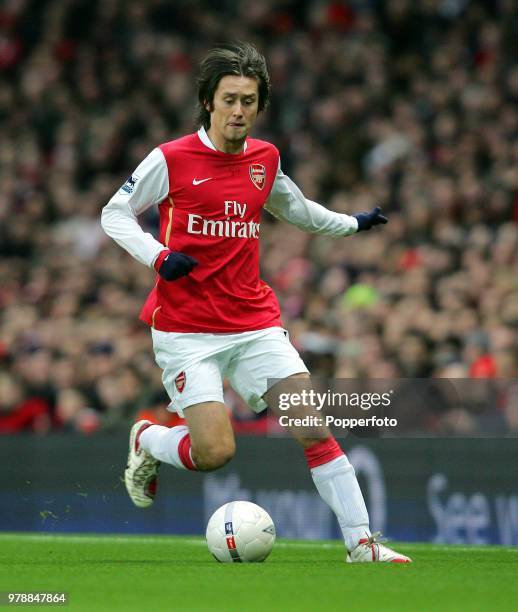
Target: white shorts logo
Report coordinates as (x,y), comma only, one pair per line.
(180,382)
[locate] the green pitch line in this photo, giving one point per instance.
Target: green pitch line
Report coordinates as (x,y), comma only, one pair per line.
(156,573)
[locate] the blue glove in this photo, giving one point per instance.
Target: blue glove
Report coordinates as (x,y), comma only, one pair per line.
(172,265)
(366,220)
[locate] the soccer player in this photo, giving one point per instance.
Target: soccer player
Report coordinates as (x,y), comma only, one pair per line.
(210,315)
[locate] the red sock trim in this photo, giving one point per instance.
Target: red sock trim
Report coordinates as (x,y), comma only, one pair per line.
(322,452)
(139,433)
(184,452)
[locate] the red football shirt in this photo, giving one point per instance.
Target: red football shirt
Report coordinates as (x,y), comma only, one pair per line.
(212,212)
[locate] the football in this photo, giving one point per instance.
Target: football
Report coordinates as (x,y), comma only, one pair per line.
(240,532)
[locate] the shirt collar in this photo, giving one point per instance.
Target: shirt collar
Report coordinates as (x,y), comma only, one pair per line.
(204,137)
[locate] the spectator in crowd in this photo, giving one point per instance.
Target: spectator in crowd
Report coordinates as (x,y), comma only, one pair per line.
(20,411)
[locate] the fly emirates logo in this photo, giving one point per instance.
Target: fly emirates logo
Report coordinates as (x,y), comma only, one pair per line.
(227,227)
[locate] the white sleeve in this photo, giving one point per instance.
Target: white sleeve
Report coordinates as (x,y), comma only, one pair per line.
(287,202)
(147,186)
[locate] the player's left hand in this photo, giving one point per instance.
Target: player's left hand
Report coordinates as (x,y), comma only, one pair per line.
(366,220)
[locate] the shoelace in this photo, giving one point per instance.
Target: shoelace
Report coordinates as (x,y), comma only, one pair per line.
(375,538)
(142,473)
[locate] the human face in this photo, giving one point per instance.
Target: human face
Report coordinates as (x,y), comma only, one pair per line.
(233,112)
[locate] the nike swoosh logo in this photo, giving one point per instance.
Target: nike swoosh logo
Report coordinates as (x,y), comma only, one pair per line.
(198,182)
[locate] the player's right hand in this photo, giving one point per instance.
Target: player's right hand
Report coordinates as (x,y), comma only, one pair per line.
(172,265)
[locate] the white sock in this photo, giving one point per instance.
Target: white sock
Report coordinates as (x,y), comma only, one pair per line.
(162,443)
(338,487)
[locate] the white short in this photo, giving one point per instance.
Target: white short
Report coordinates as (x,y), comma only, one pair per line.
(194,365)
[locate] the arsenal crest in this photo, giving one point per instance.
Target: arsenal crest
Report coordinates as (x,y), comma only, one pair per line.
(179,381)
(258,175)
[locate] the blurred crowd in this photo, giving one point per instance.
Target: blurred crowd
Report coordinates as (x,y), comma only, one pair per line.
(409,105)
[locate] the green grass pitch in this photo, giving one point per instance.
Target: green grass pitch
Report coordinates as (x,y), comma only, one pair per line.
(177,573)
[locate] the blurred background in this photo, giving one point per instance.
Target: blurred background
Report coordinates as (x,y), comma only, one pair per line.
(409,105)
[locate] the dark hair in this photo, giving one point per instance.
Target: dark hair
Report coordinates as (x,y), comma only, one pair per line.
(240,59)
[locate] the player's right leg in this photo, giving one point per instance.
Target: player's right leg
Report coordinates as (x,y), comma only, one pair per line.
(211,434)
(140,476)
(205,444)
(196,391)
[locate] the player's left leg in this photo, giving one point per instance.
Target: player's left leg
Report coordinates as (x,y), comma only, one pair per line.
(270,355)
(336,482)
(332,473)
